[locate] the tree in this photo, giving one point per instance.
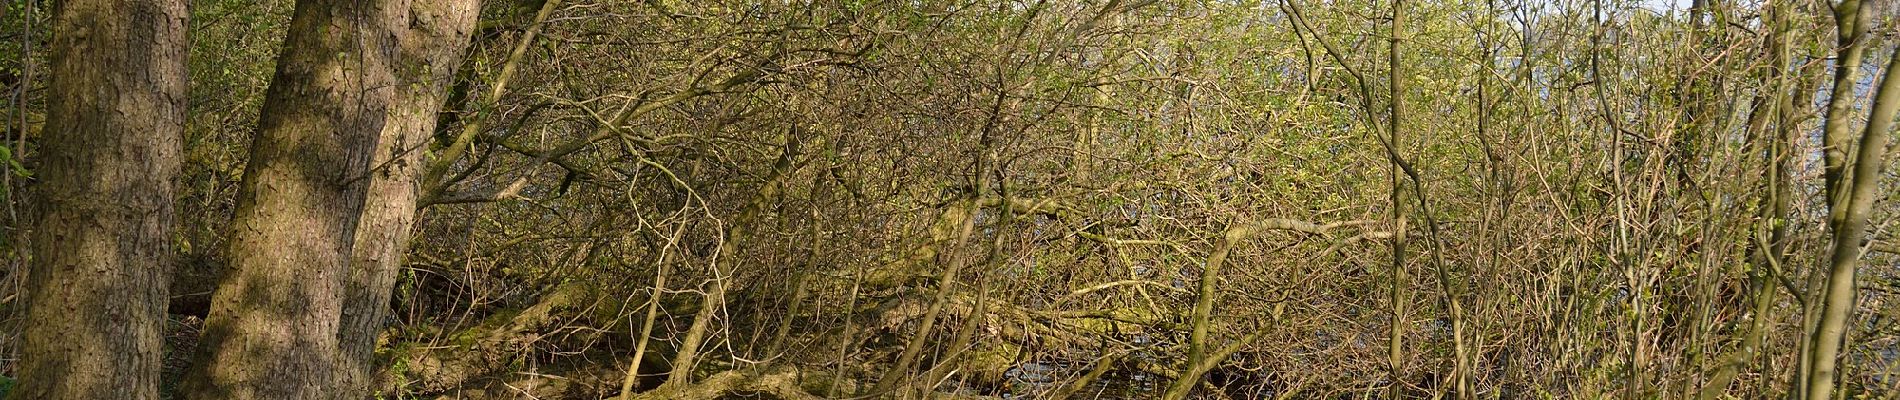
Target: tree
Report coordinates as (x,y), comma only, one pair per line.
(102,243)
(428,50)
(327,197)
(1850,204)
(1050,199)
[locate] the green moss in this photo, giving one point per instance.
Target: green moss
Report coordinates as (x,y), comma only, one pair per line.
(991,361)
(469,337)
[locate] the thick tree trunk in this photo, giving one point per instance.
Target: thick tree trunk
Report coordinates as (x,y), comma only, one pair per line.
(275,319)
(428,51)
(102,242)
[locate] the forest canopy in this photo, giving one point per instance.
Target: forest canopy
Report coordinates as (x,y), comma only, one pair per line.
(1049,199)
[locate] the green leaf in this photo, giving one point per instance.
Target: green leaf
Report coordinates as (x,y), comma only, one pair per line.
(14,162)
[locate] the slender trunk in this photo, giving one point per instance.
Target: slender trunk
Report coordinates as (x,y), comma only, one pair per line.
(1202,355)
(1199,319)
(1851,31)
(953,352)
(437,170)
(1850,28)
(968,210)
(1081,156)
(687,360)
(960,341)
(102,245)
(1768,251)
(846,335)
(1793,112)
(946,281)
(800,290)
(1396,350)
(429,48)
(1837,303)
(726,263)
(653,312)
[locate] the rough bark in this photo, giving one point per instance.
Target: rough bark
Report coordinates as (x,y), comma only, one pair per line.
(429,46)
(275,318)
(102,243)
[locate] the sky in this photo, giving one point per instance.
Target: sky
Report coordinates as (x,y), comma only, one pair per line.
(1661,5)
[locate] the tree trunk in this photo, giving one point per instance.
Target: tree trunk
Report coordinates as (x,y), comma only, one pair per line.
(429,48)
(736,236)
(1770,247)
(1849,234)
(1395,350)
(1850,32)
(102,243)
(275,319)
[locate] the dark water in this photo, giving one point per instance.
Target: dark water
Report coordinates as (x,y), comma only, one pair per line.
(1031,380)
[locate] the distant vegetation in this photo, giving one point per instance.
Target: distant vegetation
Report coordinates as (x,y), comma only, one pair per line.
(1283,199)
